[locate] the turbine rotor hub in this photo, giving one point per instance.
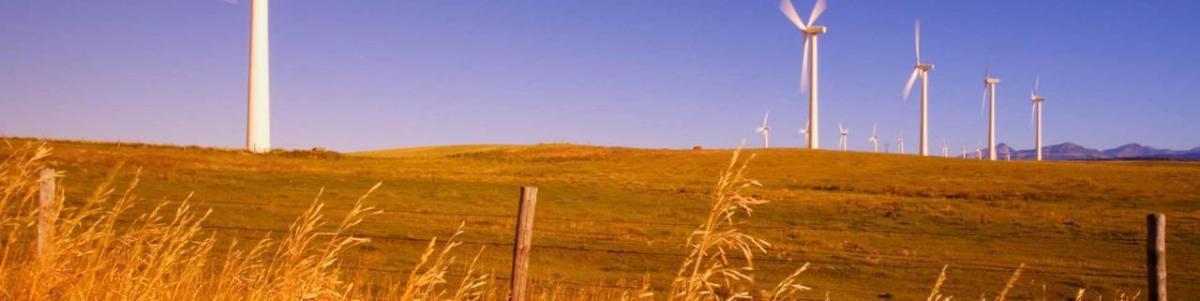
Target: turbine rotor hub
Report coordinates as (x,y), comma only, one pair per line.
(815,29)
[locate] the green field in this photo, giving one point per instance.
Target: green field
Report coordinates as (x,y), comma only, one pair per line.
(869,224)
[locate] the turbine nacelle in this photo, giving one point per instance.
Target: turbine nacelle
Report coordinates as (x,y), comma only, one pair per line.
(991,81)
(924,67)
(815,29)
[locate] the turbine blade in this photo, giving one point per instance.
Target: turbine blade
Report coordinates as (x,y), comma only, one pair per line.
(804,72)
(1036,82)
(765,116)
(911,80)
(987,73)
(788,10)
(816,13)
(918,39)
(983,104)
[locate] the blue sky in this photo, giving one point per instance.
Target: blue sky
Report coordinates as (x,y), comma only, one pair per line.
(357,75)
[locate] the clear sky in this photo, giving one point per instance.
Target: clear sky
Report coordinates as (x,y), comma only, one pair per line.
(358,75)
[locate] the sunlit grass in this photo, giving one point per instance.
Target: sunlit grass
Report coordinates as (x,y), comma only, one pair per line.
(854,229)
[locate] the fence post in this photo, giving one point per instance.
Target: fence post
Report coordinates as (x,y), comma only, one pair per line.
(523,242)
(1156,256)
(47,213)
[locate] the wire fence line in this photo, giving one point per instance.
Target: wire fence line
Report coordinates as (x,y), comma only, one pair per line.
(925,264)
(920,263)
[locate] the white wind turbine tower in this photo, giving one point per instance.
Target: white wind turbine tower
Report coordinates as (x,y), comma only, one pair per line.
(1037,116)
(258,121)
(945,149)
(874,137)
(900,143)
(810,45)
(765,131)
(845,134)
(964,152)
(921,70)
(989,92)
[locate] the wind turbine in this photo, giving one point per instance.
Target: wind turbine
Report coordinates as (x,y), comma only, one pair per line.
(258,121)
(1037,116)
(900,144)
(845,134)
(921,70)
(874,137)
(964,152)
(989,92)
(945,149)
(765,131)
(804,131)
(811,32)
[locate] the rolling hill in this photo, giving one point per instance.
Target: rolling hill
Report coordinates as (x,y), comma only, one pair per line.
(870,224)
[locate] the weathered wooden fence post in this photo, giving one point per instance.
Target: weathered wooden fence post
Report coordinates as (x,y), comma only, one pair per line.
(1156,256)
(524,241)
(47,213)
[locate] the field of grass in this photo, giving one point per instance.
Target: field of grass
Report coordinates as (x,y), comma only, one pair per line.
(870,225)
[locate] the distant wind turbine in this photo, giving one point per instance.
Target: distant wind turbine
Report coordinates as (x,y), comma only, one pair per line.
(874,137)
(845,134)
(921,70)
(765,131)
(1037,116)
(989,92)
(804,131)
(258,121)
(964,152)
(811,32)
(945,149)
(900,143)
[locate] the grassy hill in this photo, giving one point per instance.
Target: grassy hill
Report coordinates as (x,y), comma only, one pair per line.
(870,224)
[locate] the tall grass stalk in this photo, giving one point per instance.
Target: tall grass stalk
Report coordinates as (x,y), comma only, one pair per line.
(710,271)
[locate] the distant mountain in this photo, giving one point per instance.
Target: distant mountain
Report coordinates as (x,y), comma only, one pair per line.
(1134,150)
(1071,151)
(1002,151)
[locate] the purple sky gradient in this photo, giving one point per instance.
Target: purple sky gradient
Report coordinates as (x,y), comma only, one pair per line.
(358,75)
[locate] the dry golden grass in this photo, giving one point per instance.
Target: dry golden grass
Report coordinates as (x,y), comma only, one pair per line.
(97,254)
(100,251)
